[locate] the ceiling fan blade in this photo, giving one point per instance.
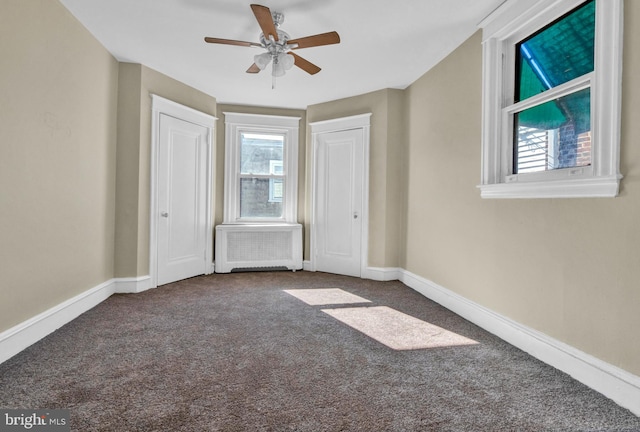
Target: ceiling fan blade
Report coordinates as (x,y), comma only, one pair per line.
(231,42)
(305,65)
(253,69)
(316,40)
(263,15)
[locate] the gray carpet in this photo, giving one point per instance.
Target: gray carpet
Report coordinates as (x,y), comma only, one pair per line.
(236,353)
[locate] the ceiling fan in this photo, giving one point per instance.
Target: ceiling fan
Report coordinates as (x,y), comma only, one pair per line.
(279,44)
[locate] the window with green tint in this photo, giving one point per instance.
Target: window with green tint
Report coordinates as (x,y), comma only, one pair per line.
(556,132)
(556,54)
(552,99)
(554,135)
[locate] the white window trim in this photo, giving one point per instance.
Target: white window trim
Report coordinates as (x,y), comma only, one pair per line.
(514,20)
(235,125)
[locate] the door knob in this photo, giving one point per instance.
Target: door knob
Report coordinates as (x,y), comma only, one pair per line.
(164,214)
(355,215)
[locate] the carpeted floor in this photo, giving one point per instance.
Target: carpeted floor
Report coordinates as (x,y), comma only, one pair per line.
(237,353)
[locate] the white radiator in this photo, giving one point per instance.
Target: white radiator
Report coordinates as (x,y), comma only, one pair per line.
(258,246)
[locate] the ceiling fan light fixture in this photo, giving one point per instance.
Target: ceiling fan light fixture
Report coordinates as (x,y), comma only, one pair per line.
(262,60)
(278,69)
(286,60)
(282,63)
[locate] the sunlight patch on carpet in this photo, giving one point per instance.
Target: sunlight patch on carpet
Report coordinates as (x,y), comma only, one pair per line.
(326,296)
(397,330)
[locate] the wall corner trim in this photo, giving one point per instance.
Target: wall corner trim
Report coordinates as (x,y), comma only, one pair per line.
(615,383)
(132,285)
(382,273)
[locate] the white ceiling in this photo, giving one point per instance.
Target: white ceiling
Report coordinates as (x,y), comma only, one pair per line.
(384,44)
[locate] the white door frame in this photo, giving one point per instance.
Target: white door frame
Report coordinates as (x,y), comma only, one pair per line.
(159,106)
(362,122)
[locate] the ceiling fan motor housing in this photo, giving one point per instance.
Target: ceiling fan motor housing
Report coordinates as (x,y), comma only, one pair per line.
(276,47)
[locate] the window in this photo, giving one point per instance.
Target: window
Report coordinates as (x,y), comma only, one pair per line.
(551,99)
(260,168)
(259,155)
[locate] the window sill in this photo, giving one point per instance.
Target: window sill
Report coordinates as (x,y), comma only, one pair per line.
(598,187)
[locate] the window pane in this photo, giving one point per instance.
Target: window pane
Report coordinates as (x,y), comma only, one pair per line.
(261,198)
(553,135)
(276,190)
(261,153)
(560,52)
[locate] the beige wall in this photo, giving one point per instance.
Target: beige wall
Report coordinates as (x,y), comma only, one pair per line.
(58,91)
(566,267)
(396,179)
(385,185)
(136,84)
(127,171)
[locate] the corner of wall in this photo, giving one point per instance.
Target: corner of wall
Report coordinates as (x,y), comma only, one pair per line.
(127,169)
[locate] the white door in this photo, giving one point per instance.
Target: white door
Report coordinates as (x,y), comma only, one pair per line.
(338,202)
(182,189)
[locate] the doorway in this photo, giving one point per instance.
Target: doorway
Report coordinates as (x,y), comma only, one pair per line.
(339,235)
(181,217)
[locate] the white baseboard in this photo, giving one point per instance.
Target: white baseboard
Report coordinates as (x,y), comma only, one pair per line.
(373,273)
(25,334)
(132,285)
(615,383)
(381,274)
